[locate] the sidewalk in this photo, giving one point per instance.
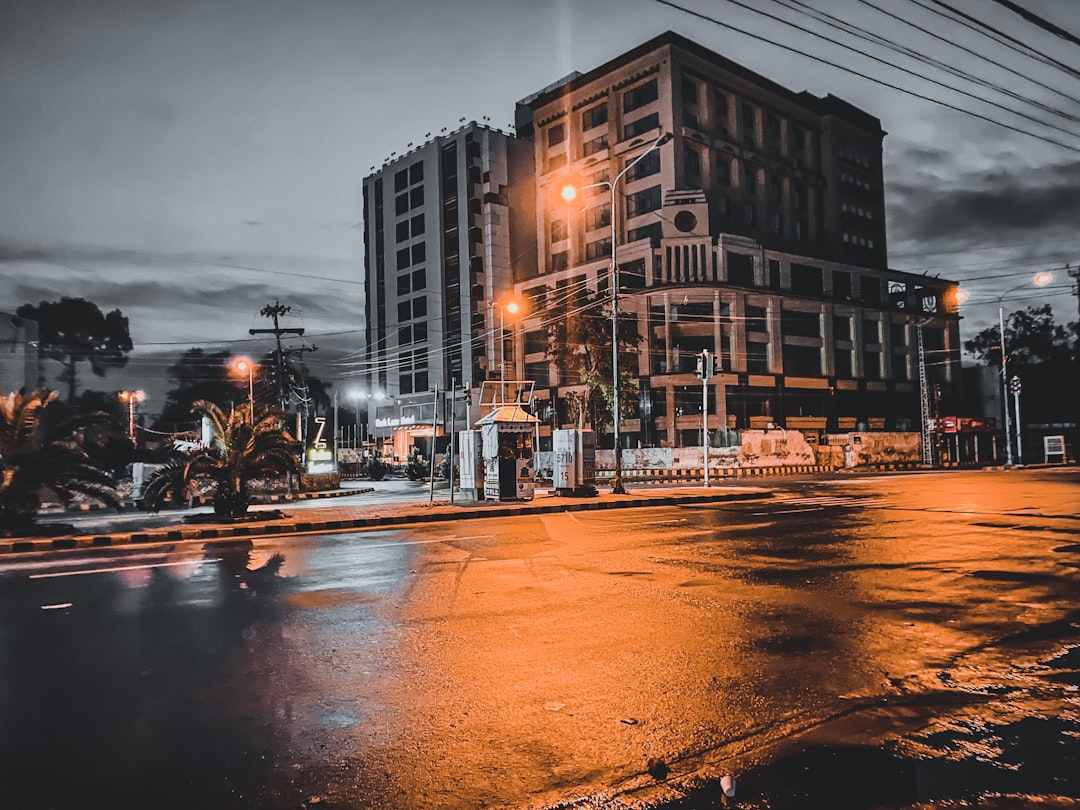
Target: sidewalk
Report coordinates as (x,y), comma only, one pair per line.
(338,517)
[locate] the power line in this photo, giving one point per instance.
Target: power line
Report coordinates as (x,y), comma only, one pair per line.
(862,75)
(1042,23)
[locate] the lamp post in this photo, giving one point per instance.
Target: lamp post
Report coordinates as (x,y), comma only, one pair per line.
(568,193)
(129,398)
(511,307)
(242,366)
(1040,280)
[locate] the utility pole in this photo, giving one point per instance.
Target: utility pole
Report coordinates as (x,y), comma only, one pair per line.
(275,311)
(1075,273)
(926,428)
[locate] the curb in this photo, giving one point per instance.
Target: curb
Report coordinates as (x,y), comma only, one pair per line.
(204,500)
(18,545)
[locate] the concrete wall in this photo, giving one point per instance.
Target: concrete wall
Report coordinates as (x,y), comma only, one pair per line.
(877,448)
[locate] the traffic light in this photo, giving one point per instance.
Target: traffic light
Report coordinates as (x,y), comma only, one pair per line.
(706,365)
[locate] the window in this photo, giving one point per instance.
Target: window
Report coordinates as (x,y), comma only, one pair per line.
(740,269)
(842,363)
(692,162)
(639,96)
(419,279)
(416,197)
(556,162)
(419,307)
(723,172)
(773,124)
(871,289)
(598,217)
(416,173)
(556,134)
(690,119)
(641,125)
(776,190)
(841,285)
(536,298)
(401,204)
(757,319)
(757,358)
(796,323)
(777,224)
(419,252)
(401,231)
(802,361)
(654,230)
(774,274)
(898,335)
(559,261)
(403,285)
(597,249)
(841,327)
(807,280)
(689,90)
(872,365)
(751,214)
(594,116)
(749,178)
(402,258)
(749,122)
(404,311)
(871,331)
(404,336)
(594,146)
(649,165)
(416,225)
(720,100)
(536,341)
(401,180)
(642,202)
(558,230)
(539,373)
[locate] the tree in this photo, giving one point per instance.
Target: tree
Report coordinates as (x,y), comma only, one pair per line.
(240,453)
(33,458)
(74,330)
(199,376)
(579,343)
(1031,337)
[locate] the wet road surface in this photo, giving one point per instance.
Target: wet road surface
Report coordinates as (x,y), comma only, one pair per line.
(874,642)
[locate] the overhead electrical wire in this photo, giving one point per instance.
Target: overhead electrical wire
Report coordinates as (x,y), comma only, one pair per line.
(882,82)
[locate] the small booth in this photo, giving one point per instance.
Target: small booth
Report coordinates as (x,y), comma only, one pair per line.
(574,470)
(507,433)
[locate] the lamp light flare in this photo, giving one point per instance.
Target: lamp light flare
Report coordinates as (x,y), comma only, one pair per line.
(1044,278)
(569,193)
(961,295)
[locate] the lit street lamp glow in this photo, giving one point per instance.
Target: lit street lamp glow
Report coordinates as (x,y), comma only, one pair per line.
(241,366)
(129,398)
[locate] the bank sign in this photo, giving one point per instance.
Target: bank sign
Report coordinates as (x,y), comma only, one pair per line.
(319,458)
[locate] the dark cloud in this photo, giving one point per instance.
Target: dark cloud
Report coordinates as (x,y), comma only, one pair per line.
(984,207)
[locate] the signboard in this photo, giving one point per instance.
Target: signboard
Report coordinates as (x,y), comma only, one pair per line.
(1053,446)
(395,421)
(319,460)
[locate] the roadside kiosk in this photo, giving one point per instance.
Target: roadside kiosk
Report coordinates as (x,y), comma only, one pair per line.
(508,452)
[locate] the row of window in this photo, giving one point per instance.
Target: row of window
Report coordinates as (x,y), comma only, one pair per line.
(856,239)
(857,210)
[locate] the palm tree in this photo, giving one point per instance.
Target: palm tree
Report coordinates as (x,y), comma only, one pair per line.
(242,451)
(32,459)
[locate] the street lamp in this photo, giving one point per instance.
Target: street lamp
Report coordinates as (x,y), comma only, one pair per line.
(241,366)
(129,398)
(1040,280)
(513,308)
(569,192)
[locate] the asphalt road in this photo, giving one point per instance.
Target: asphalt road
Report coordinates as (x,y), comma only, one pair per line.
(858,643)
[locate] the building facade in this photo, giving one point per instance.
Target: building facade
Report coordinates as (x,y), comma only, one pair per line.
(442,240)
(757,232)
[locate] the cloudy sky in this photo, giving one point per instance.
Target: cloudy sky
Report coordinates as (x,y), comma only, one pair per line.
(190,161)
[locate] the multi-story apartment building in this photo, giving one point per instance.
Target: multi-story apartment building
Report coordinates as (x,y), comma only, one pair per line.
(757,232)
(442,242)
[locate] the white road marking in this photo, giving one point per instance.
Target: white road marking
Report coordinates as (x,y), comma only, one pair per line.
(115,568)
(59,606)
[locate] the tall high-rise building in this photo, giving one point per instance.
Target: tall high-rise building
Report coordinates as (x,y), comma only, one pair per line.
(446,226)
(756,232)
